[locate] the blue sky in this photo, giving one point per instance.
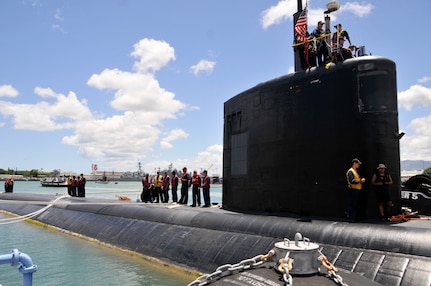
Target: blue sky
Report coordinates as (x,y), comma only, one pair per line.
(117,82)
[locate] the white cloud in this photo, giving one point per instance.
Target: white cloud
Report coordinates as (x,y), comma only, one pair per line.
(291,69)
(118,140)
(316,15)
(424,79)
(173,135)
(422,126)
(215,149)
(152,55)
(123,138)
(45,116)
(211,159)
(57,15)
(57,27)
(415,95)
(276,14)
(8,91)
(417,145)
(202,66)
(137,92)
(357,9)
(44,92)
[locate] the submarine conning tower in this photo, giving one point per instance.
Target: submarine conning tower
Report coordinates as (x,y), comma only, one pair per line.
(289,142)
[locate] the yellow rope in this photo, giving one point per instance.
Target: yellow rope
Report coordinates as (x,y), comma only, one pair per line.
(310,40)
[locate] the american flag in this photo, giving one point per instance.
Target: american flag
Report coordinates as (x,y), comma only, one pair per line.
(301,26)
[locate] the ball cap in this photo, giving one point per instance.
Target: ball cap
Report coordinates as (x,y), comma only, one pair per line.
(381,166)
(356,160)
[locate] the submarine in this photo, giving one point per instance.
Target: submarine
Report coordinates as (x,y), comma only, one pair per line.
(288,143)
(203,239)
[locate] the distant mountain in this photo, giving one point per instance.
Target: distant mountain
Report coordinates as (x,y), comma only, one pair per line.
(412,165)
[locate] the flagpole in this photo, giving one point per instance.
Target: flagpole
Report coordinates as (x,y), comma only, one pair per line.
(300,38)
(297,52)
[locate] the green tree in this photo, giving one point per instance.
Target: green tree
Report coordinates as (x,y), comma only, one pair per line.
(427,171)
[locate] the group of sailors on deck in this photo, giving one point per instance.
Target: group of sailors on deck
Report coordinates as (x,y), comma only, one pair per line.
(320,49)
(8,185)
(156,189)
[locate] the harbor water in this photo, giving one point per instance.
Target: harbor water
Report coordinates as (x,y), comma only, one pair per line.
(130,189)
(65,259)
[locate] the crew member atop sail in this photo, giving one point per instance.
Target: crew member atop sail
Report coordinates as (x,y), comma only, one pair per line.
(321,47)
(340,33)
(342,53)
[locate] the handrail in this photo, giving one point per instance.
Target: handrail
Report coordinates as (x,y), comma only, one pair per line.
(26,266)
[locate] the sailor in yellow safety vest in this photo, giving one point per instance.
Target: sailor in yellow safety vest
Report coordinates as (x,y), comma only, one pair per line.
(354,184)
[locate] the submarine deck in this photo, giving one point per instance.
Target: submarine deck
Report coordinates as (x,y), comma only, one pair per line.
(204,238)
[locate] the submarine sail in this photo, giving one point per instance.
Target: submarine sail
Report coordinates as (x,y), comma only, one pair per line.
(288,142)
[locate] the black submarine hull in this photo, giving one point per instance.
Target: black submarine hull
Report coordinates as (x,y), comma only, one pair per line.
(204,239)
(289,142)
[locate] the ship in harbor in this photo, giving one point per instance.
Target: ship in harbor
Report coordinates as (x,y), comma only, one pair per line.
(132,176)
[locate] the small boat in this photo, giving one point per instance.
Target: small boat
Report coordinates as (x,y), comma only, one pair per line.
(54,182)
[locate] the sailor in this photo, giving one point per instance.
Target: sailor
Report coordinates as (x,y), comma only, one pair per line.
(312,52)
(174,184)
(206,181)
(340,33)
(73,186)
(158,194)
(146,189)
(196,192)
(354,184)
(165,187)
(8,185)
(342,52)
(381,180)
(69,185)
(185,183)
(321,47)
(81,185)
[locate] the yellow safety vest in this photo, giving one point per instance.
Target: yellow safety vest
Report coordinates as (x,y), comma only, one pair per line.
(355,177)
(158,182)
